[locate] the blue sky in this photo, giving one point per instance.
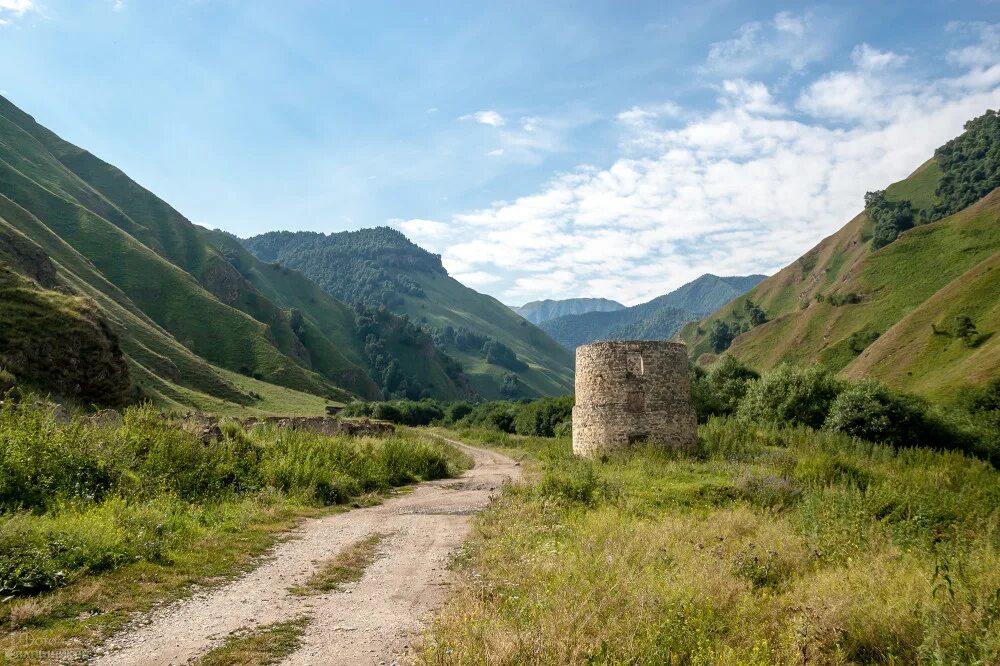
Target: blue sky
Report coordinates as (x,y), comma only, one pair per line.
(544,149)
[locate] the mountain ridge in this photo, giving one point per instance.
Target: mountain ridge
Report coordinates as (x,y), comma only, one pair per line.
(502,354)
(190,323)
(659,318)
(539,311)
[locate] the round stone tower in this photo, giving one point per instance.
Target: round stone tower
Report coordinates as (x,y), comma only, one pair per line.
(631,392)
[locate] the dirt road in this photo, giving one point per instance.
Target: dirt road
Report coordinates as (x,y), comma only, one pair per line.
(372,621)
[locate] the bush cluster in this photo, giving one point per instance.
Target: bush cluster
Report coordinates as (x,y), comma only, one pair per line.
(79,497)
(813,397)
(546,417)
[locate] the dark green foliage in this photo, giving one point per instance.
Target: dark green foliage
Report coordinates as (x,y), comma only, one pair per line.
(965,329)
(980,418)
(720,336)
(970,166)
(351,265)
(512,386)
(718,391)
(789,394)
(457,410)
(461,337)
(890,218)
(385,332)
(540,418)
(871,411)
(754,313)
(860,340)
(500,354)
(836,300)
(497,415)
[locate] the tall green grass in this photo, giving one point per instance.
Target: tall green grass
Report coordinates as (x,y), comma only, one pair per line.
(765,545)
(79,498)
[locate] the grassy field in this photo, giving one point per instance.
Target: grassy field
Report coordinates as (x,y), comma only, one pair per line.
(762,546)
(99,522)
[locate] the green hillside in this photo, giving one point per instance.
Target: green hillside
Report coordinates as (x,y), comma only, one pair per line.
(381,268)
(902,312)
(182,308)
(658,319)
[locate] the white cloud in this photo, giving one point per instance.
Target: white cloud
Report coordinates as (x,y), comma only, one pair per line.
(985,52)
(868,58)
(788,40)
(641,116)
(17,7)
(739,189)
(788,22)
(750,96)
(491,118)
(119,5)
(430,231)
(476,278)
(13,9)
(497,152)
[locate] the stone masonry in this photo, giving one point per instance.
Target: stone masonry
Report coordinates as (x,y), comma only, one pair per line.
(632,392)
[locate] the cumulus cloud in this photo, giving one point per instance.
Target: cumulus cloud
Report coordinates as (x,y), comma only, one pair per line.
(745,187)
(788,40)
(491,118)
(751,96)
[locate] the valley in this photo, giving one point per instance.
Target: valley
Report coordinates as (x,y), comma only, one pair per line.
(395,355)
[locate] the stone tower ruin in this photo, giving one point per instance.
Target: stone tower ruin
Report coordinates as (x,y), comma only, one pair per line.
(631,392)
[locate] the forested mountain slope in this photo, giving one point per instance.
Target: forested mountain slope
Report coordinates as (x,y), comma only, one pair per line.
(502,354)
(183,313)
(538,311)
(658,319)
(908,291)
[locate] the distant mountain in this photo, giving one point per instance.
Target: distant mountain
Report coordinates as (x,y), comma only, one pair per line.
(538,311)
(658,319)
(501,354)
(907,292)
(170,311)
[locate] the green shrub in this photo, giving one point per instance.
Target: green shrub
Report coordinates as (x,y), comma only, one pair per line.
(456,411)
(540,418)
(718,391)
(788,394)
(359,408)
(498,415)
(80,498)
(871,411)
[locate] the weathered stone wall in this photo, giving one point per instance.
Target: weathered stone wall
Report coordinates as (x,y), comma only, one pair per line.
(632,392)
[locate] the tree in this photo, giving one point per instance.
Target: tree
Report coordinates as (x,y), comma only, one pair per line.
(890,218)
(965,329)
(754,313)
(720,336)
